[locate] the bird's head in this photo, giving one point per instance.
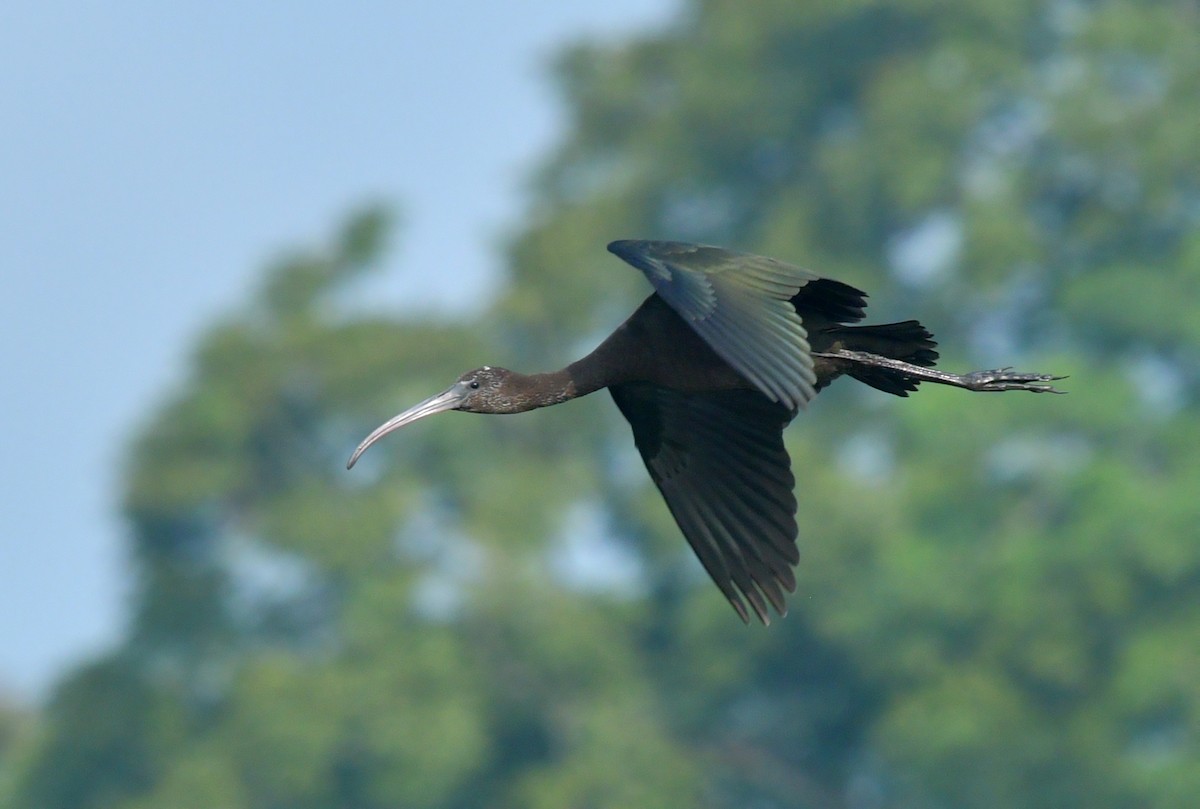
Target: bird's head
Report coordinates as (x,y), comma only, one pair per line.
(488,390)
(484,390)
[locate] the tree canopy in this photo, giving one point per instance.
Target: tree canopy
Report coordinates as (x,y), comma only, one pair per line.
(999,597)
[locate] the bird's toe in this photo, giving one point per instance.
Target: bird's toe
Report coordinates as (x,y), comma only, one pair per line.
(1002,379)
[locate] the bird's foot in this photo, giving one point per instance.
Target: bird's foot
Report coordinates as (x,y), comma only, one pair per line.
(1002,379)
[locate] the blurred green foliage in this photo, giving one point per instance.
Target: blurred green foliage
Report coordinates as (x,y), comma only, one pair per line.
(999,598)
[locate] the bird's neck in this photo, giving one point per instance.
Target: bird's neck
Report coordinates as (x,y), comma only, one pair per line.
(532,391)
(618,359)
(555,387)
(622,357)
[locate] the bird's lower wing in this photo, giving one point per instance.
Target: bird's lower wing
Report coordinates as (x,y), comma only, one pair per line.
(720,463)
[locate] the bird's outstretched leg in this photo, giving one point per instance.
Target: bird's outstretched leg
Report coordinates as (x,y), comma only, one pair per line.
(985,381)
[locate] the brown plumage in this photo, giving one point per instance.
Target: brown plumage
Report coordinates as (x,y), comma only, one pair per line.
(708,371)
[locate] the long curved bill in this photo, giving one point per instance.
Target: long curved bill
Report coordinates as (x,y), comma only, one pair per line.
(446,400)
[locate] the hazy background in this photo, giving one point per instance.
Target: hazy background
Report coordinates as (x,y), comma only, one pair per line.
(154,156)
(233,244)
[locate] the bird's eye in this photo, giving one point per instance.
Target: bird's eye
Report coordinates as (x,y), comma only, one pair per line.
(474,384)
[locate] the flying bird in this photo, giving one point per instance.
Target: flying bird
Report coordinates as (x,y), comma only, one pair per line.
(708,371)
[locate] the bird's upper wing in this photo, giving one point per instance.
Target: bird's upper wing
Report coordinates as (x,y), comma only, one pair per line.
(741,305)
(719,461)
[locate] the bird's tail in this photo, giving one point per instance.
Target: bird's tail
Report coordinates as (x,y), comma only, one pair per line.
(908,341)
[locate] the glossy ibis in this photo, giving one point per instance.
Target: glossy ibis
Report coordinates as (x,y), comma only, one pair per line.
(708,371)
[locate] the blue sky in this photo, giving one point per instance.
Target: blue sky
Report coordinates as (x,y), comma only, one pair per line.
(153,157)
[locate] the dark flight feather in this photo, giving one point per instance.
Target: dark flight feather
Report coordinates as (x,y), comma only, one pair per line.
(719,460)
